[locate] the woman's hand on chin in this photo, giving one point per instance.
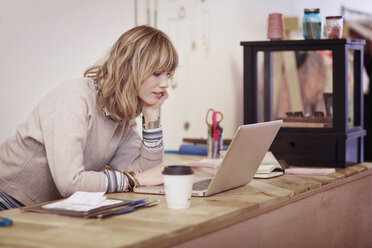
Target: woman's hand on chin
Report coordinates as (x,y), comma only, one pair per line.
(152,112)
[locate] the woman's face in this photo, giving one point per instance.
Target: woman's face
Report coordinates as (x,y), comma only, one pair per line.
(154,88)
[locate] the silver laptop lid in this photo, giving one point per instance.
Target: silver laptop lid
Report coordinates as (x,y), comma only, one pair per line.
(244,155)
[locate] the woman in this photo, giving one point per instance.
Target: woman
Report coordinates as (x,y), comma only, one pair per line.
(87,124)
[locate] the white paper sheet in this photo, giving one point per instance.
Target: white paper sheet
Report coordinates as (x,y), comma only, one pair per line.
(82,201)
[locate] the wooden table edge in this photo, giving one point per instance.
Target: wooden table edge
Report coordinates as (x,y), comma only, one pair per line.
(240,215)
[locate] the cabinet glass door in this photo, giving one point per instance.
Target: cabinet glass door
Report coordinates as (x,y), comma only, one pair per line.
(302,87)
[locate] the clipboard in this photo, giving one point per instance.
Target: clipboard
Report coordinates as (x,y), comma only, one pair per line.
(96,212)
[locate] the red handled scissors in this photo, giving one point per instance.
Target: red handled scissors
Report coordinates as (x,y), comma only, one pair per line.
(213,119)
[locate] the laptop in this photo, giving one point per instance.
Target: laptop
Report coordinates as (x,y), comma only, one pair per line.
(240,163)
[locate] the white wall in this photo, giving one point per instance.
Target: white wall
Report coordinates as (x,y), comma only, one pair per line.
(45,42)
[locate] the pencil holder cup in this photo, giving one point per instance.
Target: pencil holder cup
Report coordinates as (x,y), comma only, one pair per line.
(214,142)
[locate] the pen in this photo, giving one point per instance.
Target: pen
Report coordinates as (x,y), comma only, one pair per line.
(137,202)
(220,142)
(132,206)
(128,208)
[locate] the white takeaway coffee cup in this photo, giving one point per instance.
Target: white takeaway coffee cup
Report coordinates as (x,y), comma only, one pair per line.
(178,180)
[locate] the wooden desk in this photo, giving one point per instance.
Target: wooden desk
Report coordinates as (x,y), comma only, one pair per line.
(288,211)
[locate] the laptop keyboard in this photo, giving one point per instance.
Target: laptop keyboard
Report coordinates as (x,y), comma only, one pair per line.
(201,185)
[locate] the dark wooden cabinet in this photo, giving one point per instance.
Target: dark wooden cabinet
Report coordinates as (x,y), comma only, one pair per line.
(327,131)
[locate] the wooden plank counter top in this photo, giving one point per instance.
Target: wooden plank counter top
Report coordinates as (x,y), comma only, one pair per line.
(161,227)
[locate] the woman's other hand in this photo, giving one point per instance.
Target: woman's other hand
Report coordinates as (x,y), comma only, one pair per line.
(151,177)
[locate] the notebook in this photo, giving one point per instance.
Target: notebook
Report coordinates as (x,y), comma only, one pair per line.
(240,163)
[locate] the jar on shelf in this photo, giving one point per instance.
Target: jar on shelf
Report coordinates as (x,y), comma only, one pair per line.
(312,24)
(333,27)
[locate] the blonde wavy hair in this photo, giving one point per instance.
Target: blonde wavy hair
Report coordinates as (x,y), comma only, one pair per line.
(135,56)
